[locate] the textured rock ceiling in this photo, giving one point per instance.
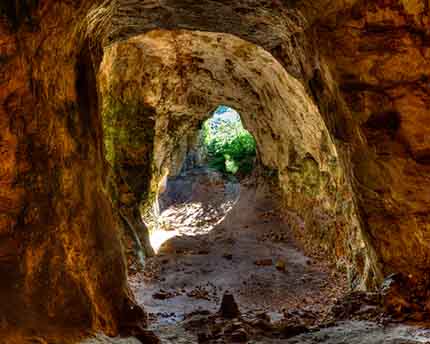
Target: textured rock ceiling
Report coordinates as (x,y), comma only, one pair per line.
(361,65)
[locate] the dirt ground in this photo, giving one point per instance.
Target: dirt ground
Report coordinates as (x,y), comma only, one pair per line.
(230,238)
(215,237)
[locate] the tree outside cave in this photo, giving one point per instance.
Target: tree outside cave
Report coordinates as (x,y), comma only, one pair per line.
(227,146)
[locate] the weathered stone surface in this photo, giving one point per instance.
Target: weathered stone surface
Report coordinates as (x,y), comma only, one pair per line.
(378,54)
(182,76)
(61,261)
(229,308)
(358,68)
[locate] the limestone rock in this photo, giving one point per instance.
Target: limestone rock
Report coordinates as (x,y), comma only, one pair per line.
(239,336)
(292,138)
(229,308)
(264,262)
(280,265)
(335,92)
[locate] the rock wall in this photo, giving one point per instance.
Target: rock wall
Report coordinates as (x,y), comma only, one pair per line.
(61,260)
(364,63)
(378,55)
(182,76)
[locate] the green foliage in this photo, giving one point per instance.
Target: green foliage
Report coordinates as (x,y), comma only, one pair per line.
(230,148)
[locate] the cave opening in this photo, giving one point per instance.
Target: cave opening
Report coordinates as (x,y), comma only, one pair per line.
(339,113)
(225,145)
(220,218)
(219,155)
(217,229)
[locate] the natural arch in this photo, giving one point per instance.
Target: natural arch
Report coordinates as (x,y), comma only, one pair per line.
(60,240)
(180,77)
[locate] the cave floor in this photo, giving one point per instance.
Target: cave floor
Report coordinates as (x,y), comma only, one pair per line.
(216,236)
(247,252)
(225,237)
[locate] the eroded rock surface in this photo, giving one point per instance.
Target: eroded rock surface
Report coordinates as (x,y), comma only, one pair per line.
(358,68)
(378,54)
(61,259)
(178,77)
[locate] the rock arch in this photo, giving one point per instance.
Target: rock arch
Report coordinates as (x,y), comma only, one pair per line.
(175,78)
(59,240)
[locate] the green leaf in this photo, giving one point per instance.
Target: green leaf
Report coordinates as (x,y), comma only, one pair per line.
(230,148)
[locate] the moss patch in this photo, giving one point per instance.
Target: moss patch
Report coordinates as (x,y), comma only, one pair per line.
(127,126)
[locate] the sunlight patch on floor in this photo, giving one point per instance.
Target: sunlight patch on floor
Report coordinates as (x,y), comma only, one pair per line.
(205,209)
(159,237)
(188,219)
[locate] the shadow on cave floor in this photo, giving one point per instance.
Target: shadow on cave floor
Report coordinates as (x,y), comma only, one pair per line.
(193,204)
(230,238)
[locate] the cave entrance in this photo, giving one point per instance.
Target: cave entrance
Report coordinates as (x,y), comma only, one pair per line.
(225,145)
(153,112)
(220,155)
(216,229)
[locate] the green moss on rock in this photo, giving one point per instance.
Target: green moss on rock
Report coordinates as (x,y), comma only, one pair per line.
(129,130)
(127,126)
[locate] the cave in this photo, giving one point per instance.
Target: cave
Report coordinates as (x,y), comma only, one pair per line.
(101,102)
(215,160)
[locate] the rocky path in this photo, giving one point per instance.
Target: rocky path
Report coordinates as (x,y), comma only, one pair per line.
(218,241)
(235,242)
